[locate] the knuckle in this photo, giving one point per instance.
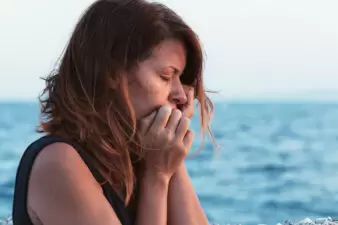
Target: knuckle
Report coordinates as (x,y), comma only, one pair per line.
(181,148)
(185,121)
(169,135)
(153,132)
(177,147)
(190,133)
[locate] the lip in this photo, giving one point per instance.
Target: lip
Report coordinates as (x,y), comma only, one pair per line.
(174,107)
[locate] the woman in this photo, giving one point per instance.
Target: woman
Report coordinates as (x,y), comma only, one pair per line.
(116,118)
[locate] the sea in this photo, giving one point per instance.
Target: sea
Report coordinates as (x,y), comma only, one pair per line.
(276,161)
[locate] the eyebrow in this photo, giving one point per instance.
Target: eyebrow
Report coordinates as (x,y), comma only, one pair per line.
(176,71)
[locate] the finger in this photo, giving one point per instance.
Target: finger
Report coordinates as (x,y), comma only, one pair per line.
(189,91)
(146,122)
(162,117)
(182,128)
(174,120)
(188,108)
(187,88)
(188,140)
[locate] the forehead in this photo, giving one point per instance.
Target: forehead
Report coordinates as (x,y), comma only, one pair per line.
(170,53)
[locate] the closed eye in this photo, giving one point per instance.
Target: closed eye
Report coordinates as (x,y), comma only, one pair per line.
(166,78)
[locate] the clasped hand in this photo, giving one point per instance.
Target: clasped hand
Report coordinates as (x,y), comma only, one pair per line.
(166,137)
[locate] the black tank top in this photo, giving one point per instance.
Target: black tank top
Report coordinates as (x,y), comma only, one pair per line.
(20,213)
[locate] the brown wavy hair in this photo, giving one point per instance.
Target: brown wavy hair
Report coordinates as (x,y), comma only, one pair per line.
(86,97)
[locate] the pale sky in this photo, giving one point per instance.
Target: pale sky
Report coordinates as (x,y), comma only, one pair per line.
(252,46)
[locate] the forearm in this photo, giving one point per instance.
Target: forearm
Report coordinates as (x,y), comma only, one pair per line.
(152,202)
(183,204)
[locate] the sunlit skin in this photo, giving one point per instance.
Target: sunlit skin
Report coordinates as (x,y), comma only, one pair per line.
(163,107)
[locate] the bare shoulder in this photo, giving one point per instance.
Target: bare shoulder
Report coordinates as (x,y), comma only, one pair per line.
(62,189)
(59,159)
(58,165)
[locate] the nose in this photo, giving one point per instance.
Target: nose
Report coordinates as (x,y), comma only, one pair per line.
(178,96)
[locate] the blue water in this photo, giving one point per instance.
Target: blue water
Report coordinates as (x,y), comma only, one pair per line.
(278,160)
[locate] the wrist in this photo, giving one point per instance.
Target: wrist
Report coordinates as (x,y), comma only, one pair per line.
(182,169)
(181,172)
(155,178)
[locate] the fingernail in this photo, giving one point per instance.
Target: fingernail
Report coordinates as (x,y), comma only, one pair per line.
(167,108)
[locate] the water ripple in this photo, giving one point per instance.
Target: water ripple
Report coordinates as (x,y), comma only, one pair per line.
(277,161)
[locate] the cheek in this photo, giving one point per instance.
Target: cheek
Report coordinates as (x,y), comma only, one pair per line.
(149,95)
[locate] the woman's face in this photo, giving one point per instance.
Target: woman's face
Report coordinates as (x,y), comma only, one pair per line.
(156,82)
